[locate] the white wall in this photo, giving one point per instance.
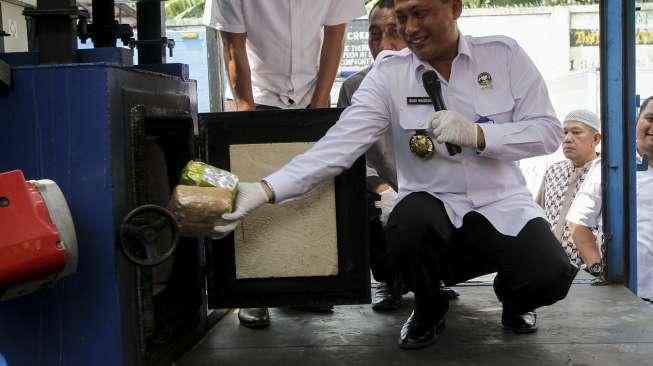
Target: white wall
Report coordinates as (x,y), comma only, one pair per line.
(545,34)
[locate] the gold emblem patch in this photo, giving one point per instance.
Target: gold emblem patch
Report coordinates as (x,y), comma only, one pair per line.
(421,144)
(484,80)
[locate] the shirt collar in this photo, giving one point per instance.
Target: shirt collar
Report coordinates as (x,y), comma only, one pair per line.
(419,66)
(589,163)
(463,46)
(638,160)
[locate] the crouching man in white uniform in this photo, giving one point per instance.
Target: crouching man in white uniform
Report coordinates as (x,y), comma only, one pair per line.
(458,216)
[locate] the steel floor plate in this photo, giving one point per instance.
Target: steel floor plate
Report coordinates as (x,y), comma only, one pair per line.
(593,326)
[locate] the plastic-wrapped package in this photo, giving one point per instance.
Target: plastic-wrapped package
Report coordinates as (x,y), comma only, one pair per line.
(201,174)
(204,194)
(199,209)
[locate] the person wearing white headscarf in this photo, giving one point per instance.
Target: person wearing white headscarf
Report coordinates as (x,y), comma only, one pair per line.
(582,131)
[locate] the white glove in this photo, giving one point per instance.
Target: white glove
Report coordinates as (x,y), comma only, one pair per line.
(250,196)
(386,204)
(453,127)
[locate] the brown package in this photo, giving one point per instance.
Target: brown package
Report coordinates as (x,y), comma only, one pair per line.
(199,209)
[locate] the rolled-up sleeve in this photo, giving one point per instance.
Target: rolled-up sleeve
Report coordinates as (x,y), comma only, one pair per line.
(536,130)
(359,126)
(586,208)
(225,15)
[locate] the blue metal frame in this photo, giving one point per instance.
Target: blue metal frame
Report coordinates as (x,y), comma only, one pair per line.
(69,123)
(56,127)
(618,114)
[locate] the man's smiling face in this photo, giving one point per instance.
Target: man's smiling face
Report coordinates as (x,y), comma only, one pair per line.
(644,130)
(429,27)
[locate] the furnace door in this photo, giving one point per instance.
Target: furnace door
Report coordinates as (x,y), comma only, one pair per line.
(310,251)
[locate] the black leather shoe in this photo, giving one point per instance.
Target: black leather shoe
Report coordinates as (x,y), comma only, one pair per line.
(386,298)
(415,335)
(520,323)
(448,292)
(254,317)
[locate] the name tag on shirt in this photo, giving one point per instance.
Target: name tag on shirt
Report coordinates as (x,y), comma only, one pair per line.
(418,100)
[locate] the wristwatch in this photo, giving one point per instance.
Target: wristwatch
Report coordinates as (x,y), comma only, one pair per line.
(595,269)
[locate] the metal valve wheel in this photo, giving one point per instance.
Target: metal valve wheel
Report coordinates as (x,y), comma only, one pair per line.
(149,235)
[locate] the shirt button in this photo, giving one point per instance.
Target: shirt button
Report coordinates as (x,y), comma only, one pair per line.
(291,101)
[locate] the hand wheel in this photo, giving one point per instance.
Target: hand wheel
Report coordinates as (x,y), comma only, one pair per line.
(149,235)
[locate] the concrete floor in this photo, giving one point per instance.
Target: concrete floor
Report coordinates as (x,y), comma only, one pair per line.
(592,326)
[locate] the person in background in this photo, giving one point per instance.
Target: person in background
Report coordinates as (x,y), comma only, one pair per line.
(458,216)
(284,53)
(582,129)
(280,54)
(585,212)
(381,172)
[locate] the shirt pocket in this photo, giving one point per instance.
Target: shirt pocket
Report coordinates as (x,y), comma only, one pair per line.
(415,117)
(494,106)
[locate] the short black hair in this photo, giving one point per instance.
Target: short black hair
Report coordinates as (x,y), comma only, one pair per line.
(643,106)
(383,4)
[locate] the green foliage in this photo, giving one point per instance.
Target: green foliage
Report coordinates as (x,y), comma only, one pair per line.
(496,3)
(176,9)
(569,2)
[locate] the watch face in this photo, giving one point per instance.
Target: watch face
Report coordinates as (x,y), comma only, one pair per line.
(595,269)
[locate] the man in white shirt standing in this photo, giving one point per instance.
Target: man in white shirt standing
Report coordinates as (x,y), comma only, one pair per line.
(280,54)
(458,216)
(585,211)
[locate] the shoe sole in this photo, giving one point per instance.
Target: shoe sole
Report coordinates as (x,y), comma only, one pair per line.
(410,346)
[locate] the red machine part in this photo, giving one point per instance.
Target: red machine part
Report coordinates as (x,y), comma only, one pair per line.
(29,240)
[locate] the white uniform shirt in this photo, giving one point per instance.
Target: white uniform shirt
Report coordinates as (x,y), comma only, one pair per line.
(645,233)
(586,210)
(488,182)
(284,39)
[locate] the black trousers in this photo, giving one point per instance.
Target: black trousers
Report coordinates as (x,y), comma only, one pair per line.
(533,269)
(380,261)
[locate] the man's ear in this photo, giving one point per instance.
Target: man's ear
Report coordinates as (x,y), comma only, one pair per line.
(597,139)
(457,8)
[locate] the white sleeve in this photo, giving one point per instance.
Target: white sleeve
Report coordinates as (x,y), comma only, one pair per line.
(586,208)
(343,11)
(536,130)
(359,126)
(225,15)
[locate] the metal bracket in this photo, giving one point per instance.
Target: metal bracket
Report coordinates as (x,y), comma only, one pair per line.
(164,41)
(119,31)
(64,12)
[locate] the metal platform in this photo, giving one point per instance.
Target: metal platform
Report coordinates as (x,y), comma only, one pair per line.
(592,326)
